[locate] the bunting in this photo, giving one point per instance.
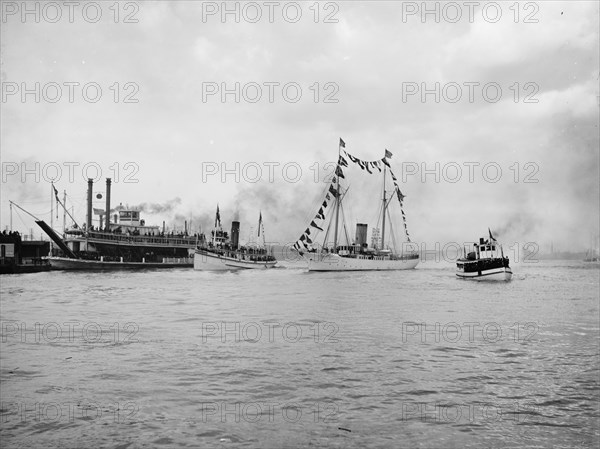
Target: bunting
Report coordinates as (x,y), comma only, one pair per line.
(334,187)
(401,197)
(314,225)
(365,165)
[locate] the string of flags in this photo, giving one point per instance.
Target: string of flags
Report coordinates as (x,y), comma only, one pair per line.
(368,166)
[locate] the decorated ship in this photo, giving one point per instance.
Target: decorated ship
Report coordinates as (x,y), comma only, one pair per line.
(123,241)
(356,255)
(484,261)
(224,252)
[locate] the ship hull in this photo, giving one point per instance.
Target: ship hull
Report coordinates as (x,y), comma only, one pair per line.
(494,274)
(486,269)
(207,261)
(335,262)
(64,263)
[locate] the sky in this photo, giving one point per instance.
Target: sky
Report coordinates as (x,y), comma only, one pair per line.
(491,112)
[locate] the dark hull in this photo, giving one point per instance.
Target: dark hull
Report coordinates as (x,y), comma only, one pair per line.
(484,269)
(16,269)
(64,263)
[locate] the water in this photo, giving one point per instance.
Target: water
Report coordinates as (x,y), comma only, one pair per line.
(285,358)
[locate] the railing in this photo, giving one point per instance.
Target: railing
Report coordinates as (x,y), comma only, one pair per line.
(144,239)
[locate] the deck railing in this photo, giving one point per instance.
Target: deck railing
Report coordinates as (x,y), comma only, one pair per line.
(189,241)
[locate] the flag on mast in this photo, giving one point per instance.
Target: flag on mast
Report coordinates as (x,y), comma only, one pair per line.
(217,217)
(491,236)
(342,143)
(55,192)
(259,223)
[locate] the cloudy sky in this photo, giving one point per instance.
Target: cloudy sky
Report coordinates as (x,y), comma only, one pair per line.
(188,91)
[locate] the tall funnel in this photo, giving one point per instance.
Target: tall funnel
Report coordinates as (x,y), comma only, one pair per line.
(235,234)
(89,203)
(361,234)
(107,203)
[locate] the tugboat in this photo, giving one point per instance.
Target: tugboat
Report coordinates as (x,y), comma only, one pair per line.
(223,252)
(485,262)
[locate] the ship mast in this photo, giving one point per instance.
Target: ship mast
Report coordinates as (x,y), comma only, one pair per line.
(383,212)
(337,202)
(64,212)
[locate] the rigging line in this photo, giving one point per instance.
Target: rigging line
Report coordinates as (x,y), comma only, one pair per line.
(21,218)
(327,232)
(392,232)
(344,224)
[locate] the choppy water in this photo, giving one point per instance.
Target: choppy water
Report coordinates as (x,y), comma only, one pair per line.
(285,358)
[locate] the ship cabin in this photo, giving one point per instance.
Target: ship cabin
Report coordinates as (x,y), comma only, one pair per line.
(485,249)
(219,238)
(128,221)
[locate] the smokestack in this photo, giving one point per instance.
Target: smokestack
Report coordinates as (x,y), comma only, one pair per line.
(107,202)
(89,203)
(163,227)
(361,234)
(235,234)
(185,227)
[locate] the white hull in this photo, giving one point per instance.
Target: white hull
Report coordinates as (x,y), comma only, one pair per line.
(335,262)
(495,274)
(206,261)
